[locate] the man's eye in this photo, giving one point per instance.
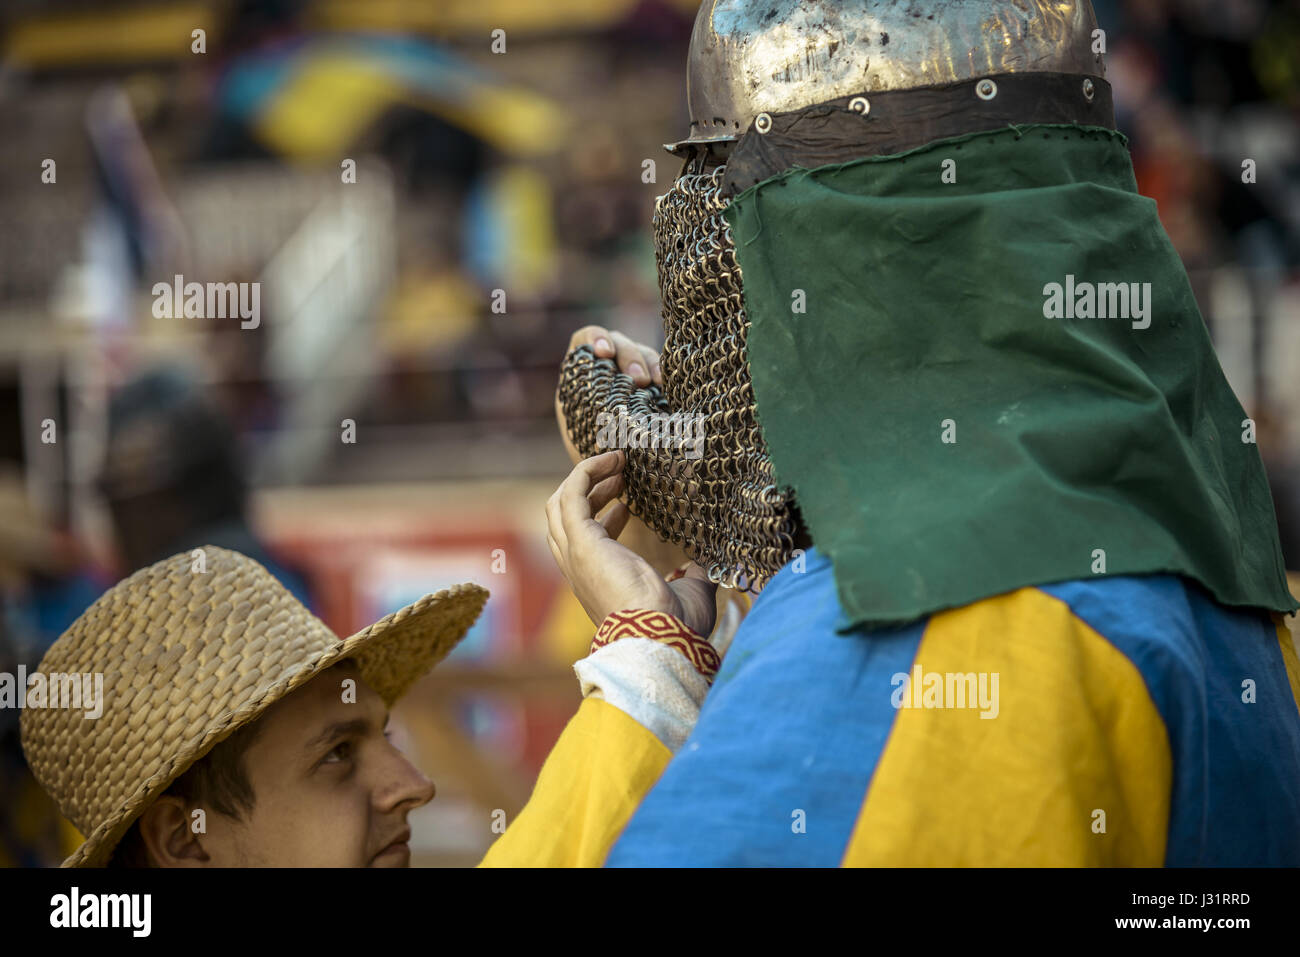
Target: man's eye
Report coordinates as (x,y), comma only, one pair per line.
(341,752)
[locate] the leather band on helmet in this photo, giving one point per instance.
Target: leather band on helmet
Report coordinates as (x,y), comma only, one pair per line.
(852,127)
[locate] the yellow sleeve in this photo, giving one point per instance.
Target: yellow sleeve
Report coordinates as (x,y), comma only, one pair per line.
(592,781)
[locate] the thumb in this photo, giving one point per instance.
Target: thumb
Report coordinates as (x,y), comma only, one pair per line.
(696,572)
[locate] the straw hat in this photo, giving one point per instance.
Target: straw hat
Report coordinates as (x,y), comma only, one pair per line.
(189,654)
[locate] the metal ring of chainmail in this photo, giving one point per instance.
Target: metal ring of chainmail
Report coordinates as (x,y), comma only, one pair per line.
(720,503)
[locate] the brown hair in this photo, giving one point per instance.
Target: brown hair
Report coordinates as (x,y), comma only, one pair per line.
(218,781)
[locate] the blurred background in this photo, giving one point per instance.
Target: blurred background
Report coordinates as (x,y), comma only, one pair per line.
(433,197)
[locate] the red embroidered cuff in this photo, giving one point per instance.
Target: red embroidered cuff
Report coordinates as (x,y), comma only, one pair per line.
(662,627)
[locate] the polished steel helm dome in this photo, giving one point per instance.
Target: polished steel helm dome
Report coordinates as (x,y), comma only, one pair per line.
(753,56)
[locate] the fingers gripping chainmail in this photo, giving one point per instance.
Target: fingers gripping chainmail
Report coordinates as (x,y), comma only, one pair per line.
(722,506)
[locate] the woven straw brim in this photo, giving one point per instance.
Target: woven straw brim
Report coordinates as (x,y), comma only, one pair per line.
(253,644)
(391,655)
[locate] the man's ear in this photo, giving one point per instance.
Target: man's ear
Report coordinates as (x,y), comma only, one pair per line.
(165,830)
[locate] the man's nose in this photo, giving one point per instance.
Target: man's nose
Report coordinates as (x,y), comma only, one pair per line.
(403,787)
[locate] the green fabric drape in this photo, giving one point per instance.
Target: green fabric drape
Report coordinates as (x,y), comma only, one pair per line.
(946,439)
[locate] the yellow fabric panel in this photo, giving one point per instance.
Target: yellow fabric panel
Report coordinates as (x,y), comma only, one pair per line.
(1076,731)
(1287,642)
(522,17)
(592,781)
(128,34)
(325,105)
(332,98)
(512,118)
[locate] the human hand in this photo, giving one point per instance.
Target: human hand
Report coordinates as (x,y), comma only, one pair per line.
(604,575)
(640,363)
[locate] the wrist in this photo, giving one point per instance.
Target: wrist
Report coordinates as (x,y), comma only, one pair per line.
(664,628)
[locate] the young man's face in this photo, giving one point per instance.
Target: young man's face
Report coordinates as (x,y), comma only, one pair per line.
(329,789)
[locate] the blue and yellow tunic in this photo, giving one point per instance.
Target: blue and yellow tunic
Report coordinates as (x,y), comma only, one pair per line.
(1133,721)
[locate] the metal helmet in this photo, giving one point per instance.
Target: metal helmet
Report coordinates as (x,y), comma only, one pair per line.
(783,83)
(769,56)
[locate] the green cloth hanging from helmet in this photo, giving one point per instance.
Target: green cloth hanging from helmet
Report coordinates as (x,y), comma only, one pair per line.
(945,438)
